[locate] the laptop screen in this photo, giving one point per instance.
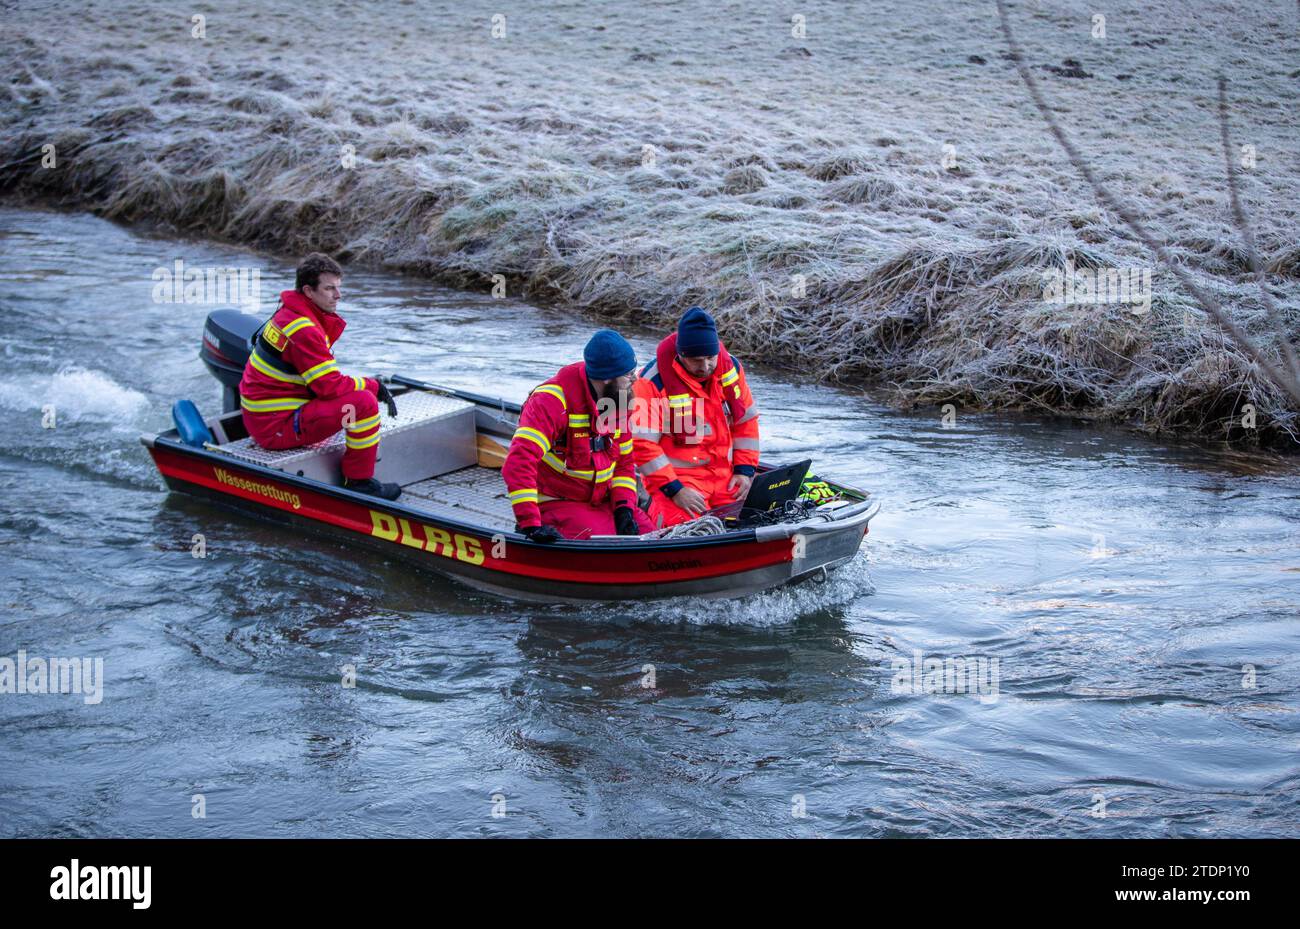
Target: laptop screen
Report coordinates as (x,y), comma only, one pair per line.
(776,485)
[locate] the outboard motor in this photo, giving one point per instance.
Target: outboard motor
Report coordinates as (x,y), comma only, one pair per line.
(227,338)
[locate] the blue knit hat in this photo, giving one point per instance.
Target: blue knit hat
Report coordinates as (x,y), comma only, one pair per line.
(697,334)
(608,356)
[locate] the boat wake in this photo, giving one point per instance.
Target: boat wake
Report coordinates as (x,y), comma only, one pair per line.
(74,393)
(777,607)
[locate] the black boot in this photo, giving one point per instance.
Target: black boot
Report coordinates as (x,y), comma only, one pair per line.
(374,488)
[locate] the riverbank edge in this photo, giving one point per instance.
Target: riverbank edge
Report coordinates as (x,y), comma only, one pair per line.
(1240,427)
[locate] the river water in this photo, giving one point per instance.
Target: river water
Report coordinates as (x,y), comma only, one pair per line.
(1136,605)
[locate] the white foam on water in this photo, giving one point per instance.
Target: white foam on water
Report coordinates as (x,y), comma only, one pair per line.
(778,607)
(74,393)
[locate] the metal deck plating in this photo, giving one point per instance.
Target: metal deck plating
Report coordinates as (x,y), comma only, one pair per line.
(474,494)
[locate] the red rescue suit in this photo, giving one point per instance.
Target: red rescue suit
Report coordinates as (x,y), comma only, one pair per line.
(565,467)
(292,393)
(692,434)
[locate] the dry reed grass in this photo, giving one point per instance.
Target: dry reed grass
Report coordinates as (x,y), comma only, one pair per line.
(630,161)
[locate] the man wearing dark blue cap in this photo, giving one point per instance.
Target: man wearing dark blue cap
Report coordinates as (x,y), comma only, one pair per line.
(702,451)
(569,471)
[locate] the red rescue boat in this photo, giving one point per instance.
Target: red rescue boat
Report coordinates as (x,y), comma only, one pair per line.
(445,448)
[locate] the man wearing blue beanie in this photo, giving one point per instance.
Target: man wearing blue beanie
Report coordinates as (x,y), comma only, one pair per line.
(570,471)
(608,356)
(697,334)
(702,451)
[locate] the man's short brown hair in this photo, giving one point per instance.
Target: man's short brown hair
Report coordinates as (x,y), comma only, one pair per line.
(312,267)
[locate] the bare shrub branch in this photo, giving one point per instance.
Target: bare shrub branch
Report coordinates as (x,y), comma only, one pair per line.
(1204,300)
(1248,236)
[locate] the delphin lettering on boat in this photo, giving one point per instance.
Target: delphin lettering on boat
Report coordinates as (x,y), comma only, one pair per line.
(675,565)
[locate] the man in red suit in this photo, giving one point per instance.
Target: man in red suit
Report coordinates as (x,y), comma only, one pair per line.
(569,470)
(292,392)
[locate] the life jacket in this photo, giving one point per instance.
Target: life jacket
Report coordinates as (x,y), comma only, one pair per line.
(274,384)
(268,343)
(679,424)
(702,441)
(580,461)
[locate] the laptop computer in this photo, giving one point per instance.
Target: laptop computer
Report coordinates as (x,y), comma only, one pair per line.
(771,489)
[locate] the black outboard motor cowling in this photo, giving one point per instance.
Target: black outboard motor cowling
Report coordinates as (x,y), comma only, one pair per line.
(227,338)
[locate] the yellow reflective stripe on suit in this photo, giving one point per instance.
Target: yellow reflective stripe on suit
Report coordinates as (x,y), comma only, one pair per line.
(555,390)
(362,425)
(554,463)
(271,406)
(657,463)
(320,370)
(260,363)
(364,442)
(532,435)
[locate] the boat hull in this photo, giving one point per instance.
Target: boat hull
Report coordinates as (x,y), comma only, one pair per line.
(506,563)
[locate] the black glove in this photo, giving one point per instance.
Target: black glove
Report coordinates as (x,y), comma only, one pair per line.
(543,534)
(624,521)
(386,396)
